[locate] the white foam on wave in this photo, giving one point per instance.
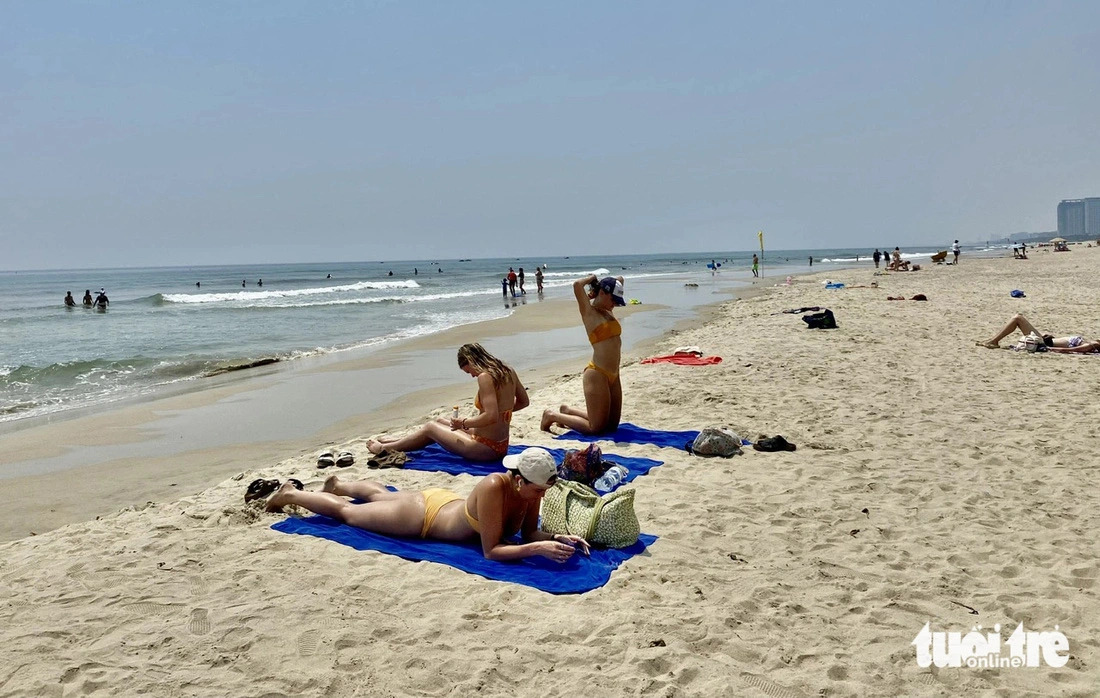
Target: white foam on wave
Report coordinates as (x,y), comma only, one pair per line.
(239,296)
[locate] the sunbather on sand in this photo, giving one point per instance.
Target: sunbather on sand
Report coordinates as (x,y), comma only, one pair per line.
(481,438)
(603,393)
(1075,344)
(499,506)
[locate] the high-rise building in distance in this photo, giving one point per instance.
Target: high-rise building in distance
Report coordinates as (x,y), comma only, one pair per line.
(1079,218)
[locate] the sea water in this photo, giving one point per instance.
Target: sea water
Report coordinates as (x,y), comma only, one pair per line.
(170,325)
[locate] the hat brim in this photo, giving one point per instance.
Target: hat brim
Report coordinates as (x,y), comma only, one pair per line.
(619,300)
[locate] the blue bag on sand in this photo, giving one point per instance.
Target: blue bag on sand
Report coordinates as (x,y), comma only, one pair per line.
(1018,294)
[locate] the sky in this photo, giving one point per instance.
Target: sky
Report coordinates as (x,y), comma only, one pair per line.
(188,133)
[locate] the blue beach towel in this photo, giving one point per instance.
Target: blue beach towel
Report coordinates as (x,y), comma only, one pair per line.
(578,575)
(435,458)
(631,434)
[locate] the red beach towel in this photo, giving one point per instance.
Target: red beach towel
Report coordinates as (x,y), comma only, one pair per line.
(684,360)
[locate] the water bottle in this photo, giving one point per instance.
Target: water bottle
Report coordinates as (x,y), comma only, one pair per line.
(610,479)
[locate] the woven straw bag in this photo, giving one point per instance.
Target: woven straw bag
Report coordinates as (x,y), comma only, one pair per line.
(575,509)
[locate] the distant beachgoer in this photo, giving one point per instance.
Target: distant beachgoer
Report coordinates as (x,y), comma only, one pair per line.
(87,298)
(101,300)
(328,276)
(243,283)
(69,300)
(416,272)
(755,265)
(521,277)
(440,270)
(512,279)
(198,284)
(504,286)
(603,392)
(1023,250)
(538,279)
(955,251)
(898,264)
(876,256)
(1075,344)
(811,260)
(260,282)
(500,505)
(481,438)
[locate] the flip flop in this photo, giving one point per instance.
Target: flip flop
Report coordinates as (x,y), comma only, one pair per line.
(297,483)
(326,460)
(773,443)
(345,460)
(260,488)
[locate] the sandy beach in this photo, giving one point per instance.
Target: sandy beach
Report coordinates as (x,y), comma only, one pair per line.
(934,481)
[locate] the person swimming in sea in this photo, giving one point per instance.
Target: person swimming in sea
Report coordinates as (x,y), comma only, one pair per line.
(603,392)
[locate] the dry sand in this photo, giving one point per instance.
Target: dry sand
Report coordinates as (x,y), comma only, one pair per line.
(932,477)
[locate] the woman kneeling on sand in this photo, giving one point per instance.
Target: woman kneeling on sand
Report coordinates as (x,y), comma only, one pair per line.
(603,393)
(1075,344)
(481,438)
(499,506)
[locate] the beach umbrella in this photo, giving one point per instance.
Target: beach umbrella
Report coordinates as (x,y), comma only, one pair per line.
(1058,240)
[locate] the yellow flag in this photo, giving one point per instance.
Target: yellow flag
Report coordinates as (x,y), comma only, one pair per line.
(760,234)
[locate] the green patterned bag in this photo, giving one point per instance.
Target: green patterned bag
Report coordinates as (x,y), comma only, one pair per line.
(576,509)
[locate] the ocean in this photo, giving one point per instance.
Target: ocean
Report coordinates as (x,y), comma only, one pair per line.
(173,325)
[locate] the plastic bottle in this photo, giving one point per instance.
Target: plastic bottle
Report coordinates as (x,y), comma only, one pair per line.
(454,414)
(610,479)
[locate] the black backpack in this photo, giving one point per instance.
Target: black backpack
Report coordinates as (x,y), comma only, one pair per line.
(820,321)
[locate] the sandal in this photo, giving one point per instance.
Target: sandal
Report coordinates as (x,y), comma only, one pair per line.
(773,443)
(258,489)
(346,459)
(326,460)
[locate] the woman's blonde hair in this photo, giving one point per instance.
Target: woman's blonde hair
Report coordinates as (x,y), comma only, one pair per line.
(474,354)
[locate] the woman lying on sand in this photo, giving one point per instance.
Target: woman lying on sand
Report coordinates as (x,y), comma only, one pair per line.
(500,505)
(1075,344)
(481,438)
(603,394)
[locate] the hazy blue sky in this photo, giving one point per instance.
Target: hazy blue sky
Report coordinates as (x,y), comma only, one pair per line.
(163,133)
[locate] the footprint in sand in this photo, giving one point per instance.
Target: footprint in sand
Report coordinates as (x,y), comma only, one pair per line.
(769,687)
(307,643)
(148,608)
(200,622)
(199,587)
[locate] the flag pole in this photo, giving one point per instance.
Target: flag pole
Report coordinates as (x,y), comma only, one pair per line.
(760,235)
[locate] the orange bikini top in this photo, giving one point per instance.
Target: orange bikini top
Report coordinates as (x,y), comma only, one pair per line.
(604,331)
(505,415)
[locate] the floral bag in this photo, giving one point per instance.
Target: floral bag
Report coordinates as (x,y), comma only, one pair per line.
(576,509)
(583,465)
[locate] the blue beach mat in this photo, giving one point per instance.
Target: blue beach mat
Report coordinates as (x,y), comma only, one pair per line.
(631,434)
(435,458)
(576,576)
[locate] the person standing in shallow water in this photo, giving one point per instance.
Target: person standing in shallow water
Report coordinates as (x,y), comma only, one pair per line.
(69,300)
(876,256)
(538,279)
(522,292)
(755,265)
(87,298)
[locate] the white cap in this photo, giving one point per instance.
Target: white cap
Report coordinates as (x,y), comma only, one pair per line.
(536,465)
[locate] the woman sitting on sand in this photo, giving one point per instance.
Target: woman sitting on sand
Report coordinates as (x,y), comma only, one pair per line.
(481,438)
(499,506)
(603,393)
(1075,344)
